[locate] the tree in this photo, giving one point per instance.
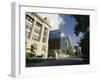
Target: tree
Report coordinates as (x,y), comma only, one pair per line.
(70,50)
(82,26)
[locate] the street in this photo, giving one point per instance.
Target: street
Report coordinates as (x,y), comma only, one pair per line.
(54,62)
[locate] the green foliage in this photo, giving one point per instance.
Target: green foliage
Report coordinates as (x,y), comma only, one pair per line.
(29,54)
(70,50)
(63,50)
(84,43)
(82,26)
(51,53)
(82,23)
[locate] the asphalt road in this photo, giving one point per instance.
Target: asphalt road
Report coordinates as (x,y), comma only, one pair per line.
(54,62)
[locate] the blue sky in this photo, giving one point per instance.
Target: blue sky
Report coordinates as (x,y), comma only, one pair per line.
(68,28)
(65,23)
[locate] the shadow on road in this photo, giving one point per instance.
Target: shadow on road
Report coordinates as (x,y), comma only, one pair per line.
(53,62)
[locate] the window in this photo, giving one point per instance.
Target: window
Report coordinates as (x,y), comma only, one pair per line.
(36,30)
(35,37)
(34,48)
(27,34)
(44,39)
(28,26)
(29,19)
(45,31)
(28,30)
(38,24)
(44,48)
(45,34)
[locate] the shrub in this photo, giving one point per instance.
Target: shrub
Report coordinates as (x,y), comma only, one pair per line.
(70,51)
(29,54)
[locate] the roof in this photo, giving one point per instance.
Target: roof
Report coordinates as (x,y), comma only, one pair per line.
(38,16)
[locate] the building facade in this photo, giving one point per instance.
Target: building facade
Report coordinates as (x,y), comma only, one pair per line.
(54,43)
(54,39)
(67,44)
(60,46)
(37,34)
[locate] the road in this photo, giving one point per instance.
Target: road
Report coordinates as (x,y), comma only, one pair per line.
(54,62)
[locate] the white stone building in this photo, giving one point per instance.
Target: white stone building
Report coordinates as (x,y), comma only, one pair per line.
(37,34)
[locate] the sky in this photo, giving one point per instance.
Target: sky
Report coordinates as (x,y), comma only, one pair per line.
(65,23)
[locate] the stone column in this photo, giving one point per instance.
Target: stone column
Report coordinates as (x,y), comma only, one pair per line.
(42,31)
(41,38)
(31,36)
(47,38)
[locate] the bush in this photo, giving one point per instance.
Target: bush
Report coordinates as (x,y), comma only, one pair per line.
(51,53)
(70,51)
(29,54)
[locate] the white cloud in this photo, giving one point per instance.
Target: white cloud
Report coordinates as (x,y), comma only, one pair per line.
(62,35)
(55,20)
